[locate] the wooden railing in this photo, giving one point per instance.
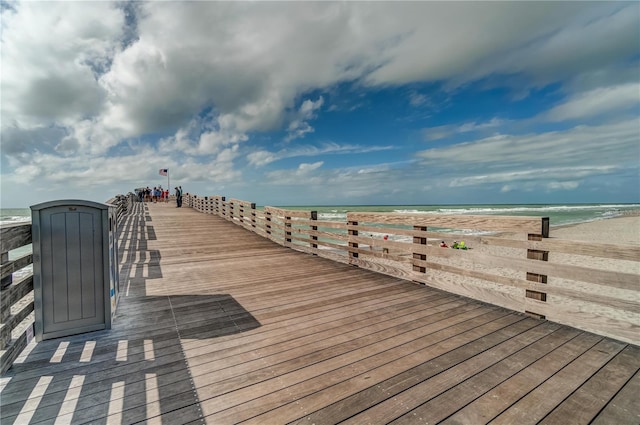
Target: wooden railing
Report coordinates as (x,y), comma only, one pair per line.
(513,262)
(16,294)
(16,289)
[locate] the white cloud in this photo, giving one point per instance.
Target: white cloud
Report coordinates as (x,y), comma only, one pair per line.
(304,174)
(599,101)
(443,131)
(534,174)
(417,99)
(578,145)
(262,157)
(299,126)
(252,60)
(474,126)
(51,54)
(545,41)
(559,160)
(567,185)
(307,168)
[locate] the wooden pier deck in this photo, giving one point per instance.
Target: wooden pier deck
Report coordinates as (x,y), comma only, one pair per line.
(218,325)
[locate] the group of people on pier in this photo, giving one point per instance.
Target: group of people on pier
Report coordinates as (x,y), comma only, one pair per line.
(158,194)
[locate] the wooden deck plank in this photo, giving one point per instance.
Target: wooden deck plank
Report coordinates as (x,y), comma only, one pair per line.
(623,408)
(335,396)
(219,325)
(587,401)
(537,355)
(316,361)
(327,334)
(541,401)
(491,403)
(396,408)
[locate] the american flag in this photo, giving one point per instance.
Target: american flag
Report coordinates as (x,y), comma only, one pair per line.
(164,171)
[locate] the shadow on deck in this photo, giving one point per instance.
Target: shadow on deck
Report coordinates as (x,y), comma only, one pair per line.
(134,372)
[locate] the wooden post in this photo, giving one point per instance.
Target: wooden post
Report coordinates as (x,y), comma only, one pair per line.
(314,217)
(352,232)
(267,225)
(5,313)
(287,228)
(6,281)
(416,255)
(223,208)
(535,254)
(253,216)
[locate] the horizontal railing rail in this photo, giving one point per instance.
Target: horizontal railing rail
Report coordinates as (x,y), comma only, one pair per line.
(513,262)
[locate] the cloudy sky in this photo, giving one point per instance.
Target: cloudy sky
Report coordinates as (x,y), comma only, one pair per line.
(316,103)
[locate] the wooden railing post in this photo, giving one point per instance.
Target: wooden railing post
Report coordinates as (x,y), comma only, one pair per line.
(8,280)
(253,215)
(420,240)
(267,224)
(287,230)
(535,254)
(352,245)
(223,207)
(314,217)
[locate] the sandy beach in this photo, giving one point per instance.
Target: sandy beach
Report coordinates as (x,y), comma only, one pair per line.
(619,230)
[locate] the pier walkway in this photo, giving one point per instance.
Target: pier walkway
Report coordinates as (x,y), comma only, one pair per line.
(218,325)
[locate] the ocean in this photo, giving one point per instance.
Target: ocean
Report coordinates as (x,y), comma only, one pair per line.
(559,215)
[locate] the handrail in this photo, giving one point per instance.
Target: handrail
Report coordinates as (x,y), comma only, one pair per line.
(521,265)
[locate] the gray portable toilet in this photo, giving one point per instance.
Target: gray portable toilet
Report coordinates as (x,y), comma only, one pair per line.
(75,270)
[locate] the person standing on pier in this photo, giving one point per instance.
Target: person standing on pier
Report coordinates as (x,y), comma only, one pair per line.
(178,197)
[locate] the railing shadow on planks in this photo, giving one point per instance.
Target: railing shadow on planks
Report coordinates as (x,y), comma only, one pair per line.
(513,261)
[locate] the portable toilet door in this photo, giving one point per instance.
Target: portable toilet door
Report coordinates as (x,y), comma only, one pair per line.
(71,268)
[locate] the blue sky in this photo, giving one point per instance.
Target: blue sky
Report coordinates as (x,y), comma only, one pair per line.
(321,103)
